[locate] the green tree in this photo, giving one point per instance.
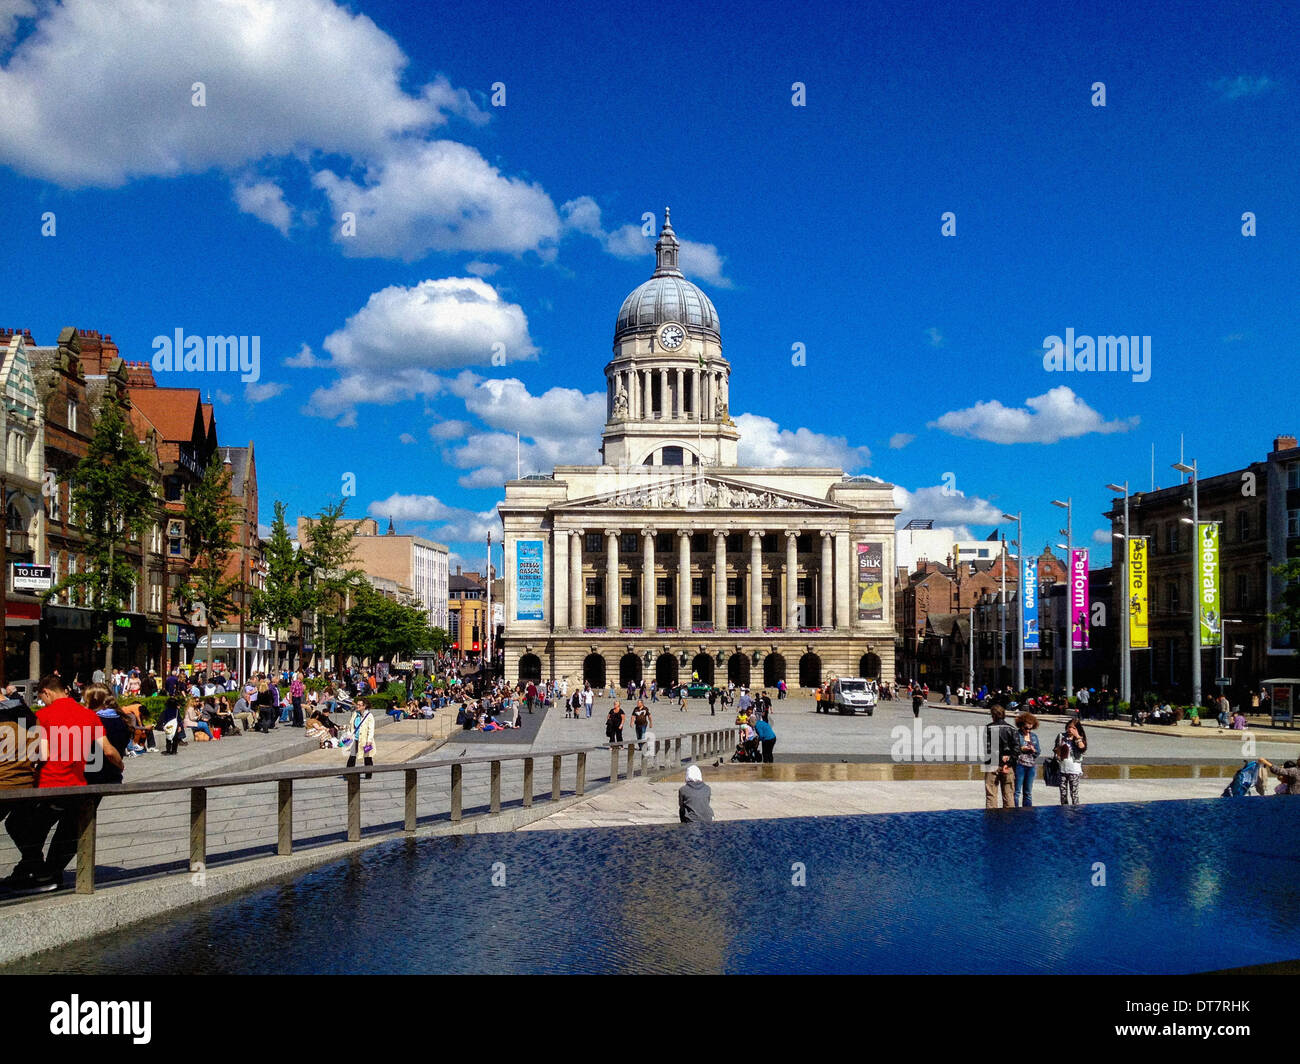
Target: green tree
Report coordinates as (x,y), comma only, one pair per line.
(329,553)
(287,593)
(1286,621)
(381,629)
(210,515)
(114,499)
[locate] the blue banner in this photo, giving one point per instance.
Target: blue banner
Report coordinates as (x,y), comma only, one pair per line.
(529,592)
(1029,588)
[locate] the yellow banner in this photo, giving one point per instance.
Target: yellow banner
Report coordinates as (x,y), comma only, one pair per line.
(1137,593)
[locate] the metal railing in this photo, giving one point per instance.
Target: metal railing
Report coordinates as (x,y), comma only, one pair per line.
(663,755)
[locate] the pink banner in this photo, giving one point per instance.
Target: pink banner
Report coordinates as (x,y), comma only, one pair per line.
(1079,598)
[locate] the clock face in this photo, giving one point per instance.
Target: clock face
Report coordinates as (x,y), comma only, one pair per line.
(671,336)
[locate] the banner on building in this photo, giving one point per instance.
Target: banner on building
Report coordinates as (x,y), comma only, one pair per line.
(1138,604)
(1079,598)
(1029,584)
(1207,581)
(871,569)
(529,591)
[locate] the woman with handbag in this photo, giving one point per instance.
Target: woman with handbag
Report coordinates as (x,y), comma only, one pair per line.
(1070,746)
(363,737)
(1027,759)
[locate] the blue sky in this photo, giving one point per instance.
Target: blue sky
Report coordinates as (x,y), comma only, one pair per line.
(820,225)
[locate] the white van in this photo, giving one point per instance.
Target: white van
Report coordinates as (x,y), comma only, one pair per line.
(851,695)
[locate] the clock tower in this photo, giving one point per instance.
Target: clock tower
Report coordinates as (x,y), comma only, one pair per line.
(667,384)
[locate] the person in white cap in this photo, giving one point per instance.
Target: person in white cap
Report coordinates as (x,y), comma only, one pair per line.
(693,798)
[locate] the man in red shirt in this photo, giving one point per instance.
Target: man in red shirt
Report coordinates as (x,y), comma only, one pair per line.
(71,736)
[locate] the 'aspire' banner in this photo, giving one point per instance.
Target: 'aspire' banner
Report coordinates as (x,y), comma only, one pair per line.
(1137,593)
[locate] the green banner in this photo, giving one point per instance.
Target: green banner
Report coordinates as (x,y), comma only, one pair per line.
(1207,580)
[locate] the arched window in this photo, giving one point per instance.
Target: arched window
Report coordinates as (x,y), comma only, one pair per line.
(672,456)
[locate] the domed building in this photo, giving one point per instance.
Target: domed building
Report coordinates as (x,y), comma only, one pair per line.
(669,560)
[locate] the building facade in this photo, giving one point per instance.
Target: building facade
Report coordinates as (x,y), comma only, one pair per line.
(669,560)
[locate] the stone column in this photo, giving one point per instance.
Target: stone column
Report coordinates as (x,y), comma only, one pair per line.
(755,581)
(648,579)
(663,393)
(791,580)
(679,404)
(843,581)
(825,592)
(612,617)
(719,580)
(577,603)
(683,580)
(559,580)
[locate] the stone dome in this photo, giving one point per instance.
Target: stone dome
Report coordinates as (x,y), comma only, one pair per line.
(667,296)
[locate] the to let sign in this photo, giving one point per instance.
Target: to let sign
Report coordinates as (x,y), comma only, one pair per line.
(28,576)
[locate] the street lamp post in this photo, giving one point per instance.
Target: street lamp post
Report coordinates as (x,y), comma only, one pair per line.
(1068,507)
(1020,597)
(1125,677)
(1196,597)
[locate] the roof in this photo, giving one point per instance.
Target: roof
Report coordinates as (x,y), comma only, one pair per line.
(238,467)
(175,412)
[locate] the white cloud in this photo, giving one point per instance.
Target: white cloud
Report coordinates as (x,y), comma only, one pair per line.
(449,430)
(482,269)
(280,77)
(764,443)
(441,324)
(1236,88)
(1103,537)
(260,393)
(304,359)
(264,200)
(703,262)
(1055,415)
(405,438)
(946,507)
(899,440)
(419,197)
(224,397)
(453,523)
(935,336)
(388,351)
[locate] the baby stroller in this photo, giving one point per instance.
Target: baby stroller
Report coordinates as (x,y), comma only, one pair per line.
(747,752)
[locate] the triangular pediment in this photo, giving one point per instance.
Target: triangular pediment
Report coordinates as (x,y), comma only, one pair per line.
(697,492)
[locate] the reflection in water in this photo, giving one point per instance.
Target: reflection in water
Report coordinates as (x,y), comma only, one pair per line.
(963,891)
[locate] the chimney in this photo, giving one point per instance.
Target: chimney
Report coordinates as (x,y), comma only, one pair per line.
(1284,443)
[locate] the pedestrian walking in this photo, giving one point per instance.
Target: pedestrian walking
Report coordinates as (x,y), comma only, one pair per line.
(917,700)
(363,737)
(1026,759)
(640,721)
(614,723)
(589,698)
(1070,746)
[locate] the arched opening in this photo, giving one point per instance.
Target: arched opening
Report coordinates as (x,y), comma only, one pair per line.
(629,669)
(810,670)
(773,670)
(530,668)
(738,670)
(702,666)
(869,666)
(593,670)
(666,671)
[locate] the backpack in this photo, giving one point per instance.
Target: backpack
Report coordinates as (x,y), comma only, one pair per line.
(1242,781)
(1052,772)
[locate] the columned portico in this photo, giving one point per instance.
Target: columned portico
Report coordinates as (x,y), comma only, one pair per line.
(560,581)
(719,580)
(791,581)
(683,580)
(612,620)
(577,614)
(647,579)
(755,581)
(825,595)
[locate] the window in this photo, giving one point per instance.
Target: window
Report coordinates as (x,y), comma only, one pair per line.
(662,587)
(697,585)
(664,616)
(1243,590)
(594,617)
(595,587)
(1243,525)
(172,489)
(629,585)
(671,456)
(631,617)
(735,615)
(769,543)
(56,501)
(801,587)
(700,542)
(627,542)
(1171,537)
(72,415)
(1172,593)
(699,613)
(593,545)
(733,586)
(1292,476)
(1292,524)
